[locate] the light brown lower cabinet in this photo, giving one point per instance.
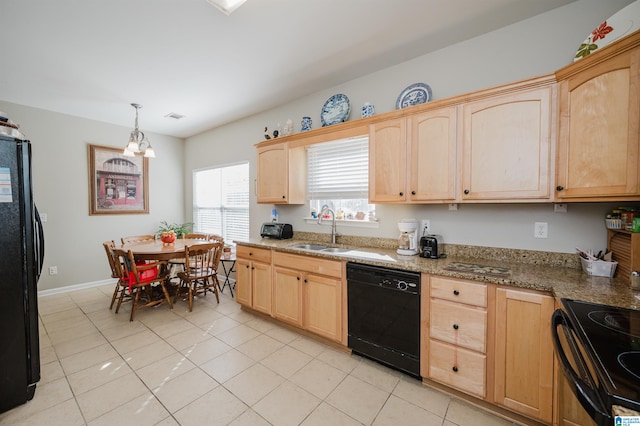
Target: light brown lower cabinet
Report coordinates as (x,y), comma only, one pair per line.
(287,289)
(568,411)
(454,333)
(253,278)
(524,353)
(308,293)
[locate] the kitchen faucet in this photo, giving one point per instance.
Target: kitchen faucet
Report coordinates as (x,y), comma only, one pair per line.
(334,234)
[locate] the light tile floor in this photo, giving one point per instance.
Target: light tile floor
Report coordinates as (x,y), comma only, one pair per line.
(217,365)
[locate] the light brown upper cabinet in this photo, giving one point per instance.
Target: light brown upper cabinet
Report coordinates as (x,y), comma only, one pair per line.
(281,174)
(413,159)
(506,146)
(432,155)
(388,161)
(598,152)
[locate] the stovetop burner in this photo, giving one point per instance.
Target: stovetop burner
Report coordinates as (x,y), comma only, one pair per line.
(631,362)
(613,320)
(611,337)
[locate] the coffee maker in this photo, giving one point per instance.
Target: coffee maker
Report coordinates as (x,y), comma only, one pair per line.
(408,239)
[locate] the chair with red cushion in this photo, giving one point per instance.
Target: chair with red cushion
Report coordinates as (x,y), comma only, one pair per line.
(138,280)
(109,246)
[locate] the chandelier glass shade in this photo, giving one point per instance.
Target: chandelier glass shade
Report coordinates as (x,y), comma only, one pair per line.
(138,142)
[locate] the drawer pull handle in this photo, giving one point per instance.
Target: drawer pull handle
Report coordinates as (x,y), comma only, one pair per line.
(455,369)
(455,326)
(456,293)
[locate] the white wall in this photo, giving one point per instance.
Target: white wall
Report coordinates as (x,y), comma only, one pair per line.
(532,47)
(73,239)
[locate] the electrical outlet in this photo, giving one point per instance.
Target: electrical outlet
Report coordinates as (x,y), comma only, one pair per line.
(53,270)
(453,206)
(425,227)
(540,230)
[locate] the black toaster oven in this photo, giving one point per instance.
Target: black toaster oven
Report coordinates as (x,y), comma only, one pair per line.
(280,231)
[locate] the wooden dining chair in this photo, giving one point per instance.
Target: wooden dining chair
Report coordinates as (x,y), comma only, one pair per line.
(195,236)
(138,238)
(177,265)
(138,280)
(201,269)
(109,246)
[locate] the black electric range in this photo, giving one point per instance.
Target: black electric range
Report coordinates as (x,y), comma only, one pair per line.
(610,338)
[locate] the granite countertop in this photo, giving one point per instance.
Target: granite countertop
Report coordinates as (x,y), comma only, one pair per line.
(523,270)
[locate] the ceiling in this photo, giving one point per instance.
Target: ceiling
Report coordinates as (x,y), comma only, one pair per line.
(92,59)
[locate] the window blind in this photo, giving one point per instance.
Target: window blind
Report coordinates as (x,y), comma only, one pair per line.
(221,201)
(339,169)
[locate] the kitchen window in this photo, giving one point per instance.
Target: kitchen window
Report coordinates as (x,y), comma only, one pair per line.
(338,177)
(221,201)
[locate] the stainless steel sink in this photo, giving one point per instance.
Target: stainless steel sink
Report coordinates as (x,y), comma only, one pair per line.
(315,247)
(335,250)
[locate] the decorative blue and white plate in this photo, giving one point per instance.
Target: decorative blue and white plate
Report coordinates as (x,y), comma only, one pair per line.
(417,93)
(335,110)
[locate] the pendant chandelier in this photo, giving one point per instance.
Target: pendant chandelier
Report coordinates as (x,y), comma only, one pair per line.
(138,143)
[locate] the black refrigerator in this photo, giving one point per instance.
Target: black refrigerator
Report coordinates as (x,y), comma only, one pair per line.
(21,256)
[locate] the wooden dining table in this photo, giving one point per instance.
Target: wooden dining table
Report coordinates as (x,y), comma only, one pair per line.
(157,250)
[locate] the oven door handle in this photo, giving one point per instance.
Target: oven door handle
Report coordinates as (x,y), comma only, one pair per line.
(586,395)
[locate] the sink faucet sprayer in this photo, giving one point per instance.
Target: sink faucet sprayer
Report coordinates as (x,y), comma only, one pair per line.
(334,234)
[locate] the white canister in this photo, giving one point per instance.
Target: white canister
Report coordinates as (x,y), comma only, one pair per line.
(635,280)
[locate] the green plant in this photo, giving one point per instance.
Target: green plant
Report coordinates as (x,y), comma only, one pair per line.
(178,228)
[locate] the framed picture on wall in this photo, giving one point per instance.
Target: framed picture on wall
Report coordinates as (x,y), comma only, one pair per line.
(117,184)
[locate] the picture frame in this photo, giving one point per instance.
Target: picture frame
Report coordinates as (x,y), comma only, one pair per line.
(117,184)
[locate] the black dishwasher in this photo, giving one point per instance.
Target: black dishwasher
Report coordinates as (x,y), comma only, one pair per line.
(384,315)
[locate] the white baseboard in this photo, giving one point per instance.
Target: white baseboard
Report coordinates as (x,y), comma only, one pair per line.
(82,286)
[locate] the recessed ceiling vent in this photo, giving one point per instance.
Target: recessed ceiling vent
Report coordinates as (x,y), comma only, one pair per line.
(174,116)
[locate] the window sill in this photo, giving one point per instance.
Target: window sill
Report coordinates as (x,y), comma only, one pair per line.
(346,222)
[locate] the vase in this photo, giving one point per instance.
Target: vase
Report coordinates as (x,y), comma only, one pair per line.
(168,237)
(367,110)
(306,124)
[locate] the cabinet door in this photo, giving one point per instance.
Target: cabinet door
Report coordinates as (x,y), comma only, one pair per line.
(287,304)
(506,147)
(599,131)
(388,161)
(433,148)
(272,174)
(261,287)
(322,306)
(243,282)
(524,353)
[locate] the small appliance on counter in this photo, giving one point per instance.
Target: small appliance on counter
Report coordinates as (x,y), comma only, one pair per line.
(408,239)
(431,246)
(279,231)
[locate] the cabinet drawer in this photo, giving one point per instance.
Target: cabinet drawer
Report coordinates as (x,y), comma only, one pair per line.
(458,324)
(317,265)
(459,291)
(253,253)
(457,367)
